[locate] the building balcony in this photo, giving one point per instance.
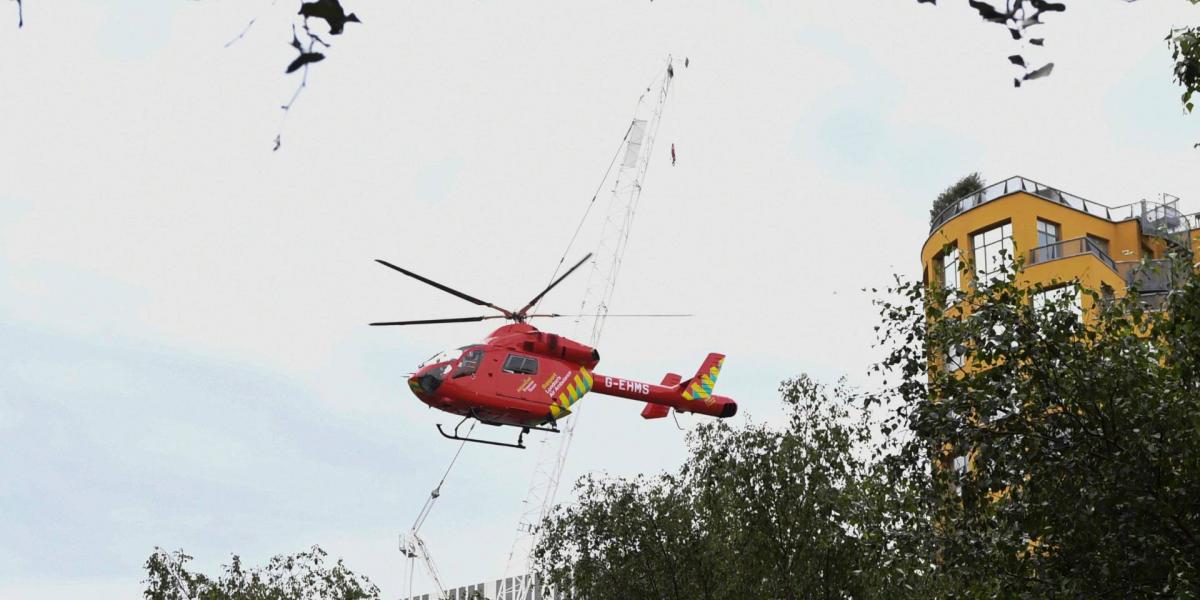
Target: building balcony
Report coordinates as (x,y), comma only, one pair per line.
(1148,277)
(1069,248)
(1153,279)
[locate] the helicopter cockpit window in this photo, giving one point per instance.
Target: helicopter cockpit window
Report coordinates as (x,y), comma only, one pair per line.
(469,363)
(525,365)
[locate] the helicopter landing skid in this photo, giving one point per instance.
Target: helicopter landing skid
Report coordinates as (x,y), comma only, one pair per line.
(520,438)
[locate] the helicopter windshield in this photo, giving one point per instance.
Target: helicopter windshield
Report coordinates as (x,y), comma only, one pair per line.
(440,357)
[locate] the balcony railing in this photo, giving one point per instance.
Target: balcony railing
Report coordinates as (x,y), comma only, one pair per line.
(1011,186)
(1072,247)
(1162,219)
(1149,277)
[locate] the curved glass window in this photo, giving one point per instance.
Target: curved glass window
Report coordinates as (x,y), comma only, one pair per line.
(469,363)
(440,357)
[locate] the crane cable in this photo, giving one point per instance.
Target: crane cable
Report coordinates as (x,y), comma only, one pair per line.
(437,490)
(428,507)
(591,203)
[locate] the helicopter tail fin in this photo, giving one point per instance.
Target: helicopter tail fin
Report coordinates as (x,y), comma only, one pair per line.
(658,411)
(701,386)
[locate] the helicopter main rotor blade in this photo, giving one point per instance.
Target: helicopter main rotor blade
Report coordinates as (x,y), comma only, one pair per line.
(550,315)
(551,286)
(447,289)
(435,321)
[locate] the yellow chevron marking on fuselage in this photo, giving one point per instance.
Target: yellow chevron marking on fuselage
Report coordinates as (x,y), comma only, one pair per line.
(574,391)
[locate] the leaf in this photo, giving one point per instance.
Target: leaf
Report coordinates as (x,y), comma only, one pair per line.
(305,58)
(1044,6)
(988,12)
(1040,72)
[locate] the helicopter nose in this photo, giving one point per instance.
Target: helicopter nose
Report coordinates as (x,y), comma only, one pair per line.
(427,382)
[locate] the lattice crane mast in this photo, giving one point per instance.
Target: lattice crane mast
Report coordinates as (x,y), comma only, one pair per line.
(634,159)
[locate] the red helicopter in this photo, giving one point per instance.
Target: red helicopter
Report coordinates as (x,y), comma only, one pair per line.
(522,377)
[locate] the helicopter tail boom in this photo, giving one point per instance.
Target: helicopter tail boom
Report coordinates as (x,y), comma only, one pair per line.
(693,395)
(658,411)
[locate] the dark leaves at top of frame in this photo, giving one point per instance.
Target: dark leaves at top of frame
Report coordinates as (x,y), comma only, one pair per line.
(331,12)
(305,58)
(1040,72)
(989,12)
(1044,6)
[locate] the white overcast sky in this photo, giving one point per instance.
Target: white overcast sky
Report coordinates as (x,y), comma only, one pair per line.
(184,360)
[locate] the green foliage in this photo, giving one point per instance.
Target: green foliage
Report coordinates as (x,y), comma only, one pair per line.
(968,184)
(300,576)
(1083,440)
(1185,51)
(756,512)
(1081,443)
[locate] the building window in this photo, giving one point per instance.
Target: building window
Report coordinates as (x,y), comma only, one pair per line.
(524,365)
(955,356)
(961,466)
(1067,295)
(993,253)
(1048,234)
(950,265)
(1097,244)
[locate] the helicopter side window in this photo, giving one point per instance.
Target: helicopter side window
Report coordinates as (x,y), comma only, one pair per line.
(520,364)
(469,363)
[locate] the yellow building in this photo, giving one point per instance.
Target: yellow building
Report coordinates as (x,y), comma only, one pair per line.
(1060,237)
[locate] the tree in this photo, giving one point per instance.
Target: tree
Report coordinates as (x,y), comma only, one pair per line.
(805,512)
(968,184)
(300,576)
(1064,460)
(1185,51)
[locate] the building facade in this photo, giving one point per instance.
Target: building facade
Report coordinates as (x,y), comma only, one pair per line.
(1059,237)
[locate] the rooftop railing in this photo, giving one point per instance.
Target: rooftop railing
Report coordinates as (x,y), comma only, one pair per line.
(1162,219)
(1068,248)
(1013,185)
